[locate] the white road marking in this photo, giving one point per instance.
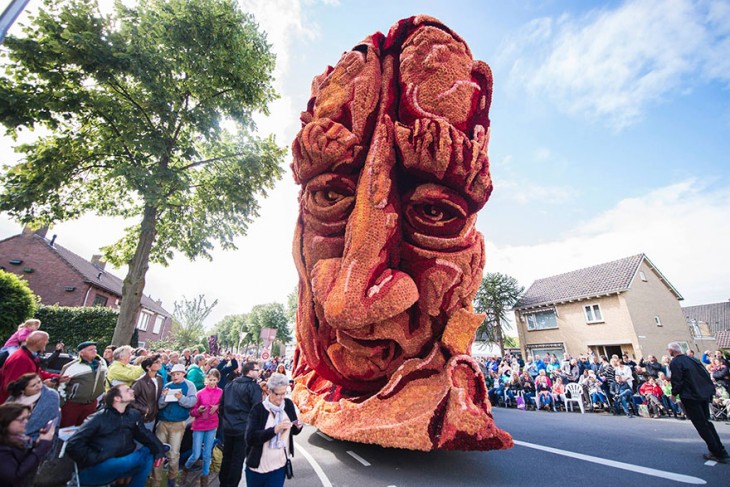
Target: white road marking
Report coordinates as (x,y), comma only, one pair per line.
(710,463)
(677,477)
(358,458)
(328,438)
(315,466)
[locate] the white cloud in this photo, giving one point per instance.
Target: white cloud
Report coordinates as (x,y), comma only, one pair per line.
(542,154)
(612,64)
(524,192)
(682,228)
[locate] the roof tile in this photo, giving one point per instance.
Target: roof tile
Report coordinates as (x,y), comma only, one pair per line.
(611,277)
(100,278)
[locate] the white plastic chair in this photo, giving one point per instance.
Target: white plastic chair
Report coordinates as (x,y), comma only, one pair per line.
(576,395)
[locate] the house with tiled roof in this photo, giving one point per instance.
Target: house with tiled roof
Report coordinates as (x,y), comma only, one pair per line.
(59,276)
(714,316)
(623,306)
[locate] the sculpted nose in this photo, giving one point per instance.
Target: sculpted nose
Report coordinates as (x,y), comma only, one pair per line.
(365,286)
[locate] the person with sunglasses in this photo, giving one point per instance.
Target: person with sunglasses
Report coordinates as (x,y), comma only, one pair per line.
(239,397)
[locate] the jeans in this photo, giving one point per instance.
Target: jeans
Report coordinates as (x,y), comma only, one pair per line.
(495,393)
(202,440)
(529,398)
(137,464)
(623,396)
(598,398)
(543,400)
(275,478)
(671,404)
(171,432)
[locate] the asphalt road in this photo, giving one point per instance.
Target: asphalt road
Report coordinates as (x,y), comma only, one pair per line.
(551,449)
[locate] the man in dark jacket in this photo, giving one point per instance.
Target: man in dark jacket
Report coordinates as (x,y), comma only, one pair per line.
(104,448)
(652,367)
(239,397)
(225,367)
(692,382)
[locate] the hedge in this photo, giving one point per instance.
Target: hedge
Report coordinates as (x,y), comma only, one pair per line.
(17,303)
(75,325)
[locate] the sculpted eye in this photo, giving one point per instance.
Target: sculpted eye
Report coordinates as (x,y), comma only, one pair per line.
(328,197)
(435,211)
(328,200)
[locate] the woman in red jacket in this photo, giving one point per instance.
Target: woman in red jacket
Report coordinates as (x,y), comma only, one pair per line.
(652,394)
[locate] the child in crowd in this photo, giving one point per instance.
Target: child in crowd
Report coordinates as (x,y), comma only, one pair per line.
(18,338)
(205,424)
(558,394)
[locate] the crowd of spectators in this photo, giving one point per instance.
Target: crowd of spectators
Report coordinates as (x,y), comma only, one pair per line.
(131,414)
(617,384)
(138,414)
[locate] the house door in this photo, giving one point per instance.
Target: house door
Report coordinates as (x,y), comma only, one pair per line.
(613,350)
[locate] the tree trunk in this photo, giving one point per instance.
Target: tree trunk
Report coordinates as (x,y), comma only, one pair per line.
(135,281)
(500,336)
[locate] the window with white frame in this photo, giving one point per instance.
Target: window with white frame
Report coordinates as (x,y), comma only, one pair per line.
(158,324)
(593,313)
(546,352)
(657,321)
(144,320)
(541,320)
(642,276)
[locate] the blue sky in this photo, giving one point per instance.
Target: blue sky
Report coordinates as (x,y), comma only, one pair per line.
(610,137)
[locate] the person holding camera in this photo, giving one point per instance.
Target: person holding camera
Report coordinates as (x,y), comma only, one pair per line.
(19,455)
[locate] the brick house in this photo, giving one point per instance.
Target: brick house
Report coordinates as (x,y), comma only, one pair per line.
(623,306)
(59,276)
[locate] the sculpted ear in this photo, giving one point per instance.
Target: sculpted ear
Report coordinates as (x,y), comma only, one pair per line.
(481,74)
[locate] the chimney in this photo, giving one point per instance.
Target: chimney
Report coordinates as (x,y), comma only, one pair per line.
(97,262)
(28,231)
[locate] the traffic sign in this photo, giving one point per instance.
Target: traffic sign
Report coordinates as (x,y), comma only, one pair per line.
(265,356)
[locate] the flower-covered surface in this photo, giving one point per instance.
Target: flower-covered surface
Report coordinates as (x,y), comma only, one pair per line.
(392,160)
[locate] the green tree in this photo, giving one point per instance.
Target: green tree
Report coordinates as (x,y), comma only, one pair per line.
(292,301)
(188,323)
(229,329)
(272,315)
(496,295)
(149,114)
(17,303)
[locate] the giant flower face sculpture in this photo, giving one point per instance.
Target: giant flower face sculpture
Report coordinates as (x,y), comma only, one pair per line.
(392,159)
